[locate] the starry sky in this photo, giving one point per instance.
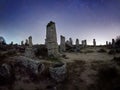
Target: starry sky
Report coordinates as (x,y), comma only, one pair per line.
(82,19)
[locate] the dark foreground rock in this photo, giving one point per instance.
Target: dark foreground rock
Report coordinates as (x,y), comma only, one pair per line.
(6,74)
(58,71)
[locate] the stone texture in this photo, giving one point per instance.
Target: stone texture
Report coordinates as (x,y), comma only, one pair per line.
(107,43)
(62,44)
(34,66)
(77,45)
(68,43)
(71,41)
(51,39)
(5,74)
(84,43)
(26,42)
(58,72)
(94,42)
(30,41)
(110,43)
(29,52)
(113,43)
(2,41)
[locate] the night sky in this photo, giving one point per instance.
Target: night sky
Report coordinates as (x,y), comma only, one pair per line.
(82,19)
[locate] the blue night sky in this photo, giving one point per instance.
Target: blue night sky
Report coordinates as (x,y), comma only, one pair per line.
(82,19)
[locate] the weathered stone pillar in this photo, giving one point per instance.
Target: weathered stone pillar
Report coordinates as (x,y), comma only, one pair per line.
(94,42)
(82,43)
(77,42)
(113,43)
(51,39)
(26,42)
(30,41)
(77,45)
(106,43)
(71,41)
(62,44)
(85,41)
(110,43)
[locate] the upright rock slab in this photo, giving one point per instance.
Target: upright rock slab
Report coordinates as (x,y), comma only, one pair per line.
(71,41)
(30,41)
(107,43)
(51,39)
(77,45)
(26,42)
(113,43)
(62,44)
(94,42)
(84,43)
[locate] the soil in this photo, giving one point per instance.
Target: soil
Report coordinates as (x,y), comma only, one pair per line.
(82,73)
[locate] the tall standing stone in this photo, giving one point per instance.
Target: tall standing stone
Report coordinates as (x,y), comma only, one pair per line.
(107,43)
(26,42)
(82,42)
(94,42)
(77,42)
(85,41)
(30,41)
(62,44)
(29,51)
(110,43)
(113,43)
(71,41)
(77,45)
(51,39)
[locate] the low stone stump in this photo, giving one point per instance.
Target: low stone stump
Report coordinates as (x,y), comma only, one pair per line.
(58,72)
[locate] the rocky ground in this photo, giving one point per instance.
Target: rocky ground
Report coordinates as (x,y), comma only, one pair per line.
(89,69)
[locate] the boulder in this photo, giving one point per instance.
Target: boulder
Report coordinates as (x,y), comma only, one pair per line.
(33,66)
(6,75)
(58,71)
